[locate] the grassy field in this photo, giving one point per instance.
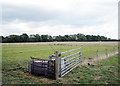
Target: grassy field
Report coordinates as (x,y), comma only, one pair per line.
(104,72)
(15,60)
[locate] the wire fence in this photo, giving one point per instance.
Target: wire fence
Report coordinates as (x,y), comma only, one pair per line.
(88,51)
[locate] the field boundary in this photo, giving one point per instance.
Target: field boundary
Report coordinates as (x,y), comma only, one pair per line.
(99,43)
(92,60)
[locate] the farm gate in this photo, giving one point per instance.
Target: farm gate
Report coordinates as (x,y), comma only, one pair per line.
(69,60)
(59,66)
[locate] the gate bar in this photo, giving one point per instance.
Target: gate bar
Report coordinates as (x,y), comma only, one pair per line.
(70,70)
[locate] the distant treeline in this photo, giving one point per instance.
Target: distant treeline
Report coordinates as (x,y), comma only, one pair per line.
(48,38)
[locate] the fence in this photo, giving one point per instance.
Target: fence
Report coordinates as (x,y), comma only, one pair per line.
(42,67)
(66,61)
(98,55)
(106,53)
(62,64)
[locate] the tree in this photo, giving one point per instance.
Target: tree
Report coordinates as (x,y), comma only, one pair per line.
(71,38)
(66,37)
(50,38)
(89,37)
(44,38)
(81,37)
(32,38)
(1,39)
(57,38)
(13,38)
(24,37)
(103,38)
(38,38)
(47,38)
(98,38)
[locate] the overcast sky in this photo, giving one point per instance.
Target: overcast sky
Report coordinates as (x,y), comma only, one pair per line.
(60,17)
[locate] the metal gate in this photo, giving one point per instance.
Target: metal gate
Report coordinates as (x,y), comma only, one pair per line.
(70,60)
(54,68)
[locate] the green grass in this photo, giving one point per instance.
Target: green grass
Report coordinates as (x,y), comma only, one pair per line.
(103,72)
(15,60)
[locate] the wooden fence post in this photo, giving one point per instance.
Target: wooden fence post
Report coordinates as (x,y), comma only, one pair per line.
(57,62)
(29,66)
(50,56)
(97,53)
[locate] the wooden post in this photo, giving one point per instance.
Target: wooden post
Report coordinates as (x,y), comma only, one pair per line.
(97,53)
(106,53)
(29,66)
(31,59)
(59,64)
(56,64)
(50,56)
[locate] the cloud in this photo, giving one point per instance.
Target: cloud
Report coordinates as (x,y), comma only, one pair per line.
(19,27)
(59,17)
(27,13)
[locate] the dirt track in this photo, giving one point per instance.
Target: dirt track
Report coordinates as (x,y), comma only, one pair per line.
(66,43)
